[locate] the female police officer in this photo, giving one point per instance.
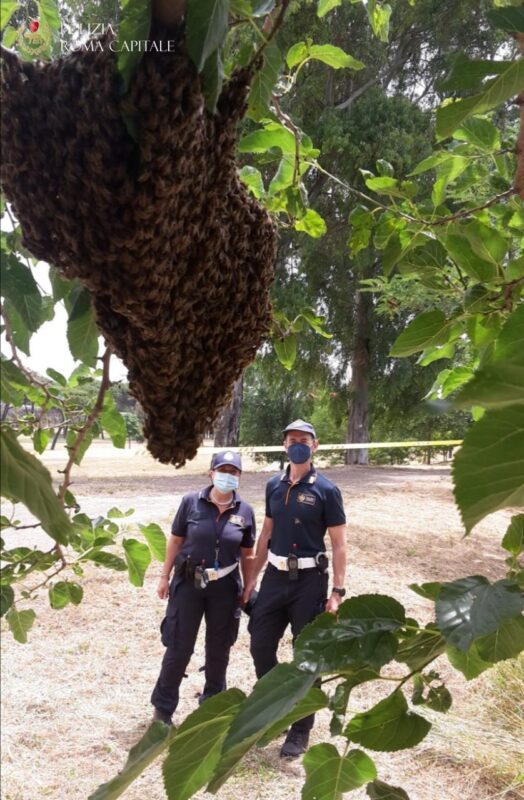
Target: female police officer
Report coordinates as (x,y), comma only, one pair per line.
(213,531)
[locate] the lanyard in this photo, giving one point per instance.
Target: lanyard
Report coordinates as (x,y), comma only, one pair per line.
(220,528)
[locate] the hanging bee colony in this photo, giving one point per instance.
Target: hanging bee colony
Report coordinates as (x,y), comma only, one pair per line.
(176,254)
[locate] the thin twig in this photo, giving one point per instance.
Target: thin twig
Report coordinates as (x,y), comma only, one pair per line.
(427,222)
(48,578)
(269,29)
(84,430)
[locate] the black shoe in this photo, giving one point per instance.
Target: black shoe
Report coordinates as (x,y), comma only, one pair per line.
(296,743)
(162,716)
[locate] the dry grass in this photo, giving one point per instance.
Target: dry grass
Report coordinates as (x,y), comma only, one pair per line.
(76,697)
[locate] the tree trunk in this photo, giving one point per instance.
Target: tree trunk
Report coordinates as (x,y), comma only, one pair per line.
(358,428)
(227,426)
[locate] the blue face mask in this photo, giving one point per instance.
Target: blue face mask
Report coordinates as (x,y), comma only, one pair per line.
(225,482)
(299,453)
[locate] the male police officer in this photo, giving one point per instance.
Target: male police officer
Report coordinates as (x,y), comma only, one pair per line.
(301,504)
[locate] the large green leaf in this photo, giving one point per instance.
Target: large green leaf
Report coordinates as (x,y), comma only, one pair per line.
(7,597)
(212,80)
(423,331)
(388,726)
(206,28)
(509,18)
(272,698)
(7,9)
(419,650)
(510,343)
(138,558)
(326,5)
(334,57)
(286,350)
(20,332)
(263,83)
(13,383)
(82,447)
(20,288)
(113,422)
(378,790)
(361,221)
(488,470)
(65,592)
(275,135)
(50,14)
(462,252)
(312,224)
(155,537)
(468,661)
(135,21)
(485,241)
(82,333)
(507,85)
(252,178)
(106,559)
(469,73)
(497,385)
(339,700)
(20,622)
(154,741)
(378,15)
(513,540)
(469,608)
(362,636)
(480,132)
(195,749)
(506,642)
(314,700)
(24,479)
(329,775)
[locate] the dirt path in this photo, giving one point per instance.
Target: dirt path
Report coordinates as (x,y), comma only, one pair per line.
(76,697)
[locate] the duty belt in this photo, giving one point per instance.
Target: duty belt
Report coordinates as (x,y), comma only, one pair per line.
(280,562)
(215,574)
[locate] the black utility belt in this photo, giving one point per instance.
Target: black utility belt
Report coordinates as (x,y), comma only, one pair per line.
(200,575)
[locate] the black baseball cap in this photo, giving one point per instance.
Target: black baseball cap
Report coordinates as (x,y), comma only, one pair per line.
(226,457)
(300,425)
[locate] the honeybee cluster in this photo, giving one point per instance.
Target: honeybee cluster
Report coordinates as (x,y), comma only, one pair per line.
(177,255)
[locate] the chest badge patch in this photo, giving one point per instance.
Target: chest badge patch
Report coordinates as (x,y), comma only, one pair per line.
(308,499)
(236,519)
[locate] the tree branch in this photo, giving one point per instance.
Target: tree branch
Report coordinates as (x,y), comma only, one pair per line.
(82,433)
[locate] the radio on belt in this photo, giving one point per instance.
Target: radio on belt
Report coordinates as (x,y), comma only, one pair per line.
(201,579)
(292,565)
(322,561)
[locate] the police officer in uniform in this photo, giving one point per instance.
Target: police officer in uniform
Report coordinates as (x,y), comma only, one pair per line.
(213,534)
(301,505)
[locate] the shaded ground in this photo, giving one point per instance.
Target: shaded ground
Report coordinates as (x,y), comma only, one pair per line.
(76,697)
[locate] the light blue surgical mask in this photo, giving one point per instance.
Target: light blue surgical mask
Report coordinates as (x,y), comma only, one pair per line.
(225,482)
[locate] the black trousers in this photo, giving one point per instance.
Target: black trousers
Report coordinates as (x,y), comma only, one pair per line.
(219,603)
(281,602)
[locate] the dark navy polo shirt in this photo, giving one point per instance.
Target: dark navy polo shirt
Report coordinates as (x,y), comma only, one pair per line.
(302,512)
(199,522)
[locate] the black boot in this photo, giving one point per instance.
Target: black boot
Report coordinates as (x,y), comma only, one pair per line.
(296,743)
(162,716)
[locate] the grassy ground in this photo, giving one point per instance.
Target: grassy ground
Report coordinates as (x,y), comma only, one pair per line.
(76,697)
